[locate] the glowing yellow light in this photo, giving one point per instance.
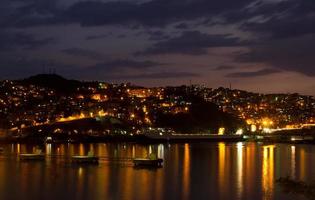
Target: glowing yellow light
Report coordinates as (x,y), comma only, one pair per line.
(253,128)
(239,132)
(147,120)
(267,130)
(221,131)
(58,130)
(268,170)
(101,113)
(267,122)
(249,121)
(96,97)
(144,109)
(166,105)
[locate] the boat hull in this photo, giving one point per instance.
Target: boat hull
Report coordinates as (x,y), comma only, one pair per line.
(140,162)
(85,159)
(32,157)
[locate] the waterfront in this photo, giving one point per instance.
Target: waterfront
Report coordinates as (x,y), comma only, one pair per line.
(190,171)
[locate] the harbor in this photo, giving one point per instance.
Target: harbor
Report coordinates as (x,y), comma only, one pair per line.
(151,160)
(220,166)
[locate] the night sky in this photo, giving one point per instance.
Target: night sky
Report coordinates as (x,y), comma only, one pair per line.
(263,46)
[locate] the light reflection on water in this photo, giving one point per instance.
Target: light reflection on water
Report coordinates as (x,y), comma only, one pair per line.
(302,164)
(191,171)
(222,171)
(186,172)
(293,162)
(240,169)
(268,171)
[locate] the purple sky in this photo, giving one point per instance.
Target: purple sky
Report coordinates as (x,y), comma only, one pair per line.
(262,46)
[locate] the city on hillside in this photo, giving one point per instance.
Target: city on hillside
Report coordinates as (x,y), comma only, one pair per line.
(49,104)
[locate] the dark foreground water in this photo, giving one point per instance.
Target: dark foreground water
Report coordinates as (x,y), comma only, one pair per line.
(191,171)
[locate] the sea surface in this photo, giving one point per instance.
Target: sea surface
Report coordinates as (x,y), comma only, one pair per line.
(190,171)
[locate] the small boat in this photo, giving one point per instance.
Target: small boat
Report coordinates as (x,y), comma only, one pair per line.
(152,161)
(89,159)
(38,155)
(145,162)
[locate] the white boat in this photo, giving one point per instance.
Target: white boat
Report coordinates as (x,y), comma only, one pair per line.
(145,162)
(90,158)
(38,155)
(151,161)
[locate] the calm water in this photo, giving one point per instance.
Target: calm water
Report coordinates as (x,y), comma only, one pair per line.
(191,171)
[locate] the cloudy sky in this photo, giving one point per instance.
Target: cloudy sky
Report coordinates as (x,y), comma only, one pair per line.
(264,45)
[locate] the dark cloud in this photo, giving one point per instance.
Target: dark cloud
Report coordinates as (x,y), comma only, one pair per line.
(284,19)
(114,69)
(191,42)
(16,67)
(95,13)
(25,13)
(84,53)
(122,36)
(182,26)
(224,67)
(18,40)
(283,34)
(154,35)
(21,67)
(159,75)
(262,72)
(152,13)
(292,54)
(286,27)
(157,35)
(257,8)
(101,36)
(119,64)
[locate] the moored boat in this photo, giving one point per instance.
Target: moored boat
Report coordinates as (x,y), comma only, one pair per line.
(89,159)
(151,161)
(145,162)
(38,155)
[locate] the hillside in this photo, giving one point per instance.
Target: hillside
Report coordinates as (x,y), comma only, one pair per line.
(53,81)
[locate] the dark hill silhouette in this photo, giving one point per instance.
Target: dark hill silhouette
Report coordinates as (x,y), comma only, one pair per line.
(53,81)
(203,116)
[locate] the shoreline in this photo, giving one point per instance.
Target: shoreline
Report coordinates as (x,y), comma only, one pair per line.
(145,140)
